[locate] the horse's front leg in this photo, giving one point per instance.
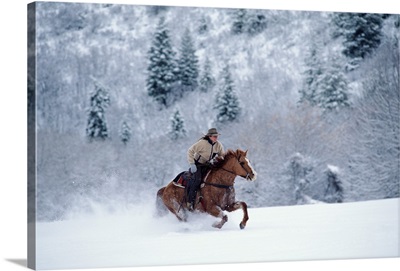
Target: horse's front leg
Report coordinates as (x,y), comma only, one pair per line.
(237,205)
(217,212)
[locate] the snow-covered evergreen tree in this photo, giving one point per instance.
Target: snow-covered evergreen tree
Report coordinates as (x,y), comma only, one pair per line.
(203,27)
(299,171)
(324,84)
(256,23)
(334,191)
(361,33)
(188,63)
(227,102)
(248,21)
(333,88)
(97,125)
(207,80)
(162,67)
(125,132)
(239,21)
(312,76)
(177,126)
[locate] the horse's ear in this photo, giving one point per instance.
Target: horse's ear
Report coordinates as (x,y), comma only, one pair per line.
(245,153)
(237,153)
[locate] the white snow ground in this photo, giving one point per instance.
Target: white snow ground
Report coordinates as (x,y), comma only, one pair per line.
(136,238)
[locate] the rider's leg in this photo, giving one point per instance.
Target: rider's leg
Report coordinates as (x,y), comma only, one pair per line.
(192,189)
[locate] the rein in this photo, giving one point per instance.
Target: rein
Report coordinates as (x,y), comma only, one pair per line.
(220,185)
(247,175)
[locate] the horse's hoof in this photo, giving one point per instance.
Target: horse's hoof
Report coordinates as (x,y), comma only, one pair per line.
(241,225)
(217,225)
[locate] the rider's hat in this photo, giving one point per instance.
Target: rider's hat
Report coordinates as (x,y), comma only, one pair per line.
(212,132)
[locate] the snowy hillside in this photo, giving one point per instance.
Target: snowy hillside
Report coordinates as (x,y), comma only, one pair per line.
(273,57)
(134,237)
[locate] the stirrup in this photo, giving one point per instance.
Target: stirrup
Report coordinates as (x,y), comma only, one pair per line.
(190,206)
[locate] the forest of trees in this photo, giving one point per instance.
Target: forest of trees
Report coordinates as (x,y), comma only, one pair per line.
(123,91)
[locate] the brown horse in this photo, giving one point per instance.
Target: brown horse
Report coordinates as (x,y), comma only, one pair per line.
(217,193)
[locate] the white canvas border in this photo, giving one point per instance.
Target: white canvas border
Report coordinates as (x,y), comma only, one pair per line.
(13,135)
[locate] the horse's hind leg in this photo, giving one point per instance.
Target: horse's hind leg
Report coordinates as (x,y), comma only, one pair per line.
(160,206)
(177,210)
(169,198)
(237,205)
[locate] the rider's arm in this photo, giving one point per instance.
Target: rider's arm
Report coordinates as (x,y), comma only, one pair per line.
(191,153)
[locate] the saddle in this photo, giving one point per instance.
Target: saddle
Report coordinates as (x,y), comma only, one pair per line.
(182,179)
(186,181)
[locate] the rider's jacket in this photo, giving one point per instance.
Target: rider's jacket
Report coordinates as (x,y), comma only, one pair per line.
(204,150)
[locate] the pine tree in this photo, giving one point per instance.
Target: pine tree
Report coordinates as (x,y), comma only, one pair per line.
(252,22)
(256,23)
(162,67)
(203,26)
(299,169)
(188,63)
(312,76)
(207,81)
(227,102)
(325,84)
(361,33)
(333,89)
(177,126)
(125,133)
(239,21)
(97,125)
(334,191)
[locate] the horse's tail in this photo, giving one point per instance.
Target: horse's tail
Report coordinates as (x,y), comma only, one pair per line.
(161,209)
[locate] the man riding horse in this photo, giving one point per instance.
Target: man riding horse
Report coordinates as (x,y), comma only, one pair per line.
(200,155)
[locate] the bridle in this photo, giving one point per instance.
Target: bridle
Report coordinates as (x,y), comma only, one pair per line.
(241,164)
(247,176)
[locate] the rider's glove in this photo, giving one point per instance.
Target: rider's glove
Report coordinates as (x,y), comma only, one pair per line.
(212,161)
(193,168)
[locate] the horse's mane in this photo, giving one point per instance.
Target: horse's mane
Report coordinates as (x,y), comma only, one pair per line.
(221,160)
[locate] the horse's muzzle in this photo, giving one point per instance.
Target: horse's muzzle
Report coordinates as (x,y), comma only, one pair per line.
(251,177)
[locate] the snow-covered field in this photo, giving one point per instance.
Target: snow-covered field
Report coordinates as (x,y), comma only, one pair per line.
(136,238)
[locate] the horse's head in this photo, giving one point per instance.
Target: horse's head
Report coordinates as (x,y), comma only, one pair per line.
(244,167)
